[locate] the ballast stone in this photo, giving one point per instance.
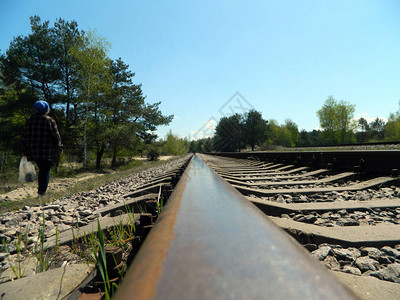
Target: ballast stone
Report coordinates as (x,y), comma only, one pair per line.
(390,273)
(366,264)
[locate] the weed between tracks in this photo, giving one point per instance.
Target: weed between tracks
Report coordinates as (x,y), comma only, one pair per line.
(27,249)
(109,249)
(86,248)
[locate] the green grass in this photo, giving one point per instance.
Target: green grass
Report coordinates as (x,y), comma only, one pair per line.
(17,266)
(91,248)
(45,259)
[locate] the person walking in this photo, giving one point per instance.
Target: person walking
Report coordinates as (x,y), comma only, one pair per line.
(41,143)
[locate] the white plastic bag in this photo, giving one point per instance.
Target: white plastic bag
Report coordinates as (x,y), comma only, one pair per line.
(27,171)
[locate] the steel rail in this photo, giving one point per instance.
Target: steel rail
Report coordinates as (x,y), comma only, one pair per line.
(212,243)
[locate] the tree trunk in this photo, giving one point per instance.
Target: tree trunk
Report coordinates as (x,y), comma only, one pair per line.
(114,157)
(99,154)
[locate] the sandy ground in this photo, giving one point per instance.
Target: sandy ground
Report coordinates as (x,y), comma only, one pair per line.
(30,188)
(161,158)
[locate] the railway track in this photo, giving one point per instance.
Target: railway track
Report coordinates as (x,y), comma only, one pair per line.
(220,235)
(348,220)
(344,208)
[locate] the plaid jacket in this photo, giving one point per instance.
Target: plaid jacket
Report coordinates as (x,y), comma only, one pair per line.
(41,140)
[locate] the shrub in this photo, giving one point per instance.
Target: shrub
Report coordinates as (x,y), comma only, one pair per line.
(153,153)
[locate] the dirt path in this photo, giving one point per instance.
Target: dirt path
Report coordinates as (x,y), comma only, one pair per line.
(56,184)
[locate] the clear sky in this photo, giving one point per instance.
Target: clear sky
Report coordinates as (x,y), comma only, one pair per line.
(282,58)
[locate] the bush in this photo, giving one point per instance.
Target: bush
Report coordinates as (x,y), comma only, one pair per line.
(153,153)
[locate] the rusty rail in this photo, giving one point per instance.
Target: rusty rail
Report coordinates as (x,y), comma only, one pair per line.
(211,243)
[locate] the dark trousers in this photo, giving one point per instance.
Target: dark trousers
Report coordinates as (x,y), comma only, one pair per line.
(44,175)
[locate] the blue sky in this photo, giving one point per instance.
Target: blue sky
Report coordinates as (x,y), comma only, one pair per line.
(282,58)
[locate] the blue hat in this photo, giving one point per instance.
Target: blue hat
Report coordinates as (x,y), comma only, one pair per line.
(41,106)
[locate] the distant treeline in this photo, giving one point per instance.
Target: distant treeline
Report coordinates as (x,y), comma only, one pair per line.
(338,126)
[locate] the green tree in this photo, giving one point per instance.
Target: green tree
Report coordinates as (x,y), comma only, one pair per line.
(94,80)
(31,61)
(392,128)
(207,145)
(202,145)
(304,139)
(193,146)
(312,138)
(122,104)
(273,132)
(316,138)
(284,138)
(66,36)
(28,72)
(377,129)
(287,134)
(254,128)
(364,129)
(328,119)
(174,145)
(345,114)
(228,134)
(124,116)
(336,120)
(293,132)
(39,66)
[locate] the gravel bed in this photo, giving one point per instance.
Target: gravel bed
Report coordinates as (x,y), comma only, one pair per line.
(392,192)
(272,175)
(309,186)
(382,263)
(344,218)
(70,211)
(307,178)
